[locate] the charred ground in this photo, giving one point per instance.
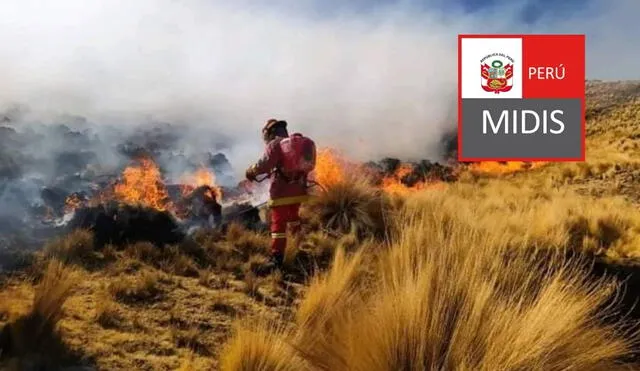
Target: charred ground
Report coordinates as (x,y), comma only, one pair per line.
(49,170)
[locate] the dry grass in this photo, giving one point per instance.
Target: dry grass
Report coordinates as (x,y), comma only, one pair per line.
(76,247)
(613,144)
(448,295)
(252,283)
(264,347)
(319,244)
(32,339)
(247,241)
(107,310)
(191,339)
(109,253)
(536,216)
(144,251)
(350,206)
(230,252)
(191,363)
(178,262)
(172,259)
(143,287)
(142,309)
(472,276)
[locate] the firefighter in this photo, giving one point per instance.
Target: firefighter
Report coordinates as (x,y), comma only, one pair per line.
(287,160)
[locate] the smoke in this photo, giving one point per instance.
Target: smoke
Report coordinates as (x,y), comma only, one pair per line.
(372,80)
(371,85)
(84,84)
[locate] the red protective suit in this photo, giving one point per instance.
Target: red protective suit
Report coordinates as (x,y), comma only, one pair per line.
(285,197)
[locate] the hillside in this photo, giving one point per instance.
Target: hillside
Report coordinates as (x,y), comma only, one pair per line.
(492,271)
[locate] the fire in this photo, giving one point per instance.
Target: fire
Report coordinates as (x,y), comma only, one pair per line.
(331,167)
(394,184)
(71,203)
(201,177)
(493,167)
(142,184)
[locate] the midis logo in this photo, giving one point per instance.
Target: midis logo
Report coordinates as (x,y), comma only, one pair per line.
(526,102)
(498,76)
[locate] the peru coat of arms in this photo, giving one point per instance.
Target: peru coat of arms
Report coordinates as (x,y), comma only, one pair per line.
(497,77)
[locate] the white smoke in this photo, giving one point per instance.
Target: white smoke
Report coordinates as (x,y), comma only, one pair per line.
(375,84)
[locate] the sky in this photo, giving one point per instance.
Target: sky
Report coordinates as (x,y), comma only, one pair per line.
(610,26)
(370,77)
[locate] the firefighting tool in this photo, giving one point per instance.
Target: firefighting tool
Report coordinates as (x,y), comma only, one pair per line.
(310,183)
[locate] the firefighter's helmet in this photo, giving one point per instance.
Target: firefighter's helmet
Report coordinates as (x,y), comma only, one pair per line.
(271,127)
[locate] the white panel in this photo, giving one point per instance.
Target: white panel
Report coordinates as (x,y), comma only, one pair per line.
(474,50)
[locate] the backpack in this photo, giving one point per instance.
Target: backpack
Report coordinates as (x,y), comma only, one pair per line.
(298,155)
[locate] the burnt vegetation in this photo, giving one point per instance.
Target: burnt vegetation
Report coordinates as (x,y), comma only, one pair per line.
(79,164)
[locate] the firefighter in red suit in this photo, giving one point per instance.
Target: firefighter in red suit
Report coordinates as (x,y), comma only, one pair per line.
(287,190)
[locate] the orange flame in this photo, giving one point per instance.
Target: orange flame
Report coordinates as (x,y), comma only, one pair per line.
(201,177)
(331,167)
(494,167)
(71,203)
(394,184)
(142,185)
(142,182)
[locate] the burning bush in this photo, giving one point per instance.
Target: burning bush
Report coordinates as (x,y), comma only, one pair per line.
(389,175)
(503,167)
(142,185)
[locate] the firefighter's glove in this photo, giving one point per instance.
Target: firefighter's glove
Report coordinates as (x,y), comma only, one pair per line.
(250,174)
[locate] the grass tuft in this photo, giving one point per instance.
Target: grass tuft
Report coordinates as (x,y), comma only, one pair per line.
(32,339)
(76,247)
(350,206)
(449,295)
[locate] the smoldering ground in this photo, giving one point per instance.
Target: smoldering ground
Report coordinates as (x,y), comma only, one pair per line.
(43,162)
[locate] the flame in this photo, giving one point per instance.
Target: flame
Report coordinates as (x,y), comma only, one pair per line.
(331,167)
(201,177)
(494,167)
(142,184)
(72,202)
(394,184)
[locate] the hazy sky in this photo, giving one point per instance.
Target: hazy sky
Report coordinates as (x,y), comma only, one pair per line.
(611,26)
(373,78)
